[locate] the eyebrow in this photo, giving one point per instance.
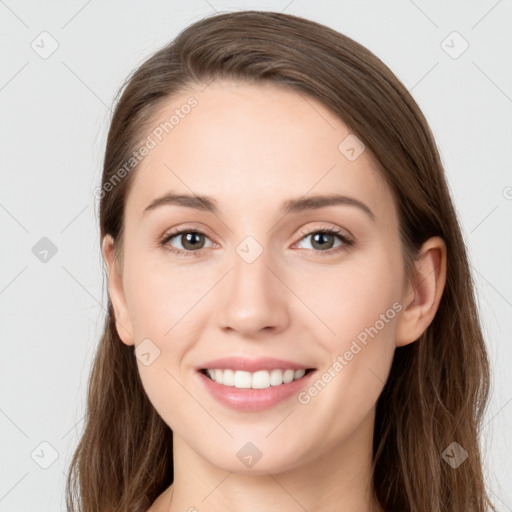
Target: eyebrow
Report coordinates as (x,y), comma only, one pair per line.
(206,203)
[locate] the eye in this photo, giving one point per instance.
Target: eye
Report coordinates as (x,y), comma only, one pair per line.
(323,240)
(191,241)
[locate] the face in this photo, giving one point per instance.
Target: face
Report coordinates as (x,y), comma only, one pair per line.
(317,285)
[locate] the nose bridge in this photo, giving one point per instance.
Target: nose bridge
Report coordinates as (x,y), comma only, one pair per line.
(254,297)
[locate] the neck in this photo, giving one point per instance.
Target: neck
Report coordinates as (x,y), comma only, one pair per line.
(333,481)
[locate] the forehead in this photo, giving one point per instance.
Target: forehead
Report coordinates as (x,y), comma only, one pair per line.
(257,144)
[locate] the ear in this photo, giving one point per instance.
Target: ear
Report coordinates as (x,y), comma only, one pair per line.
(116,292)
(423,295)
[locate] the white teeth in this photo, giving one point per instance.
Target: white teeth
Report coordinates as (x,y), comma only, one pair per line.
(228,379)
(276,377)
(288,376)
(299,374)
(242,379)
(218,376)
(258,380)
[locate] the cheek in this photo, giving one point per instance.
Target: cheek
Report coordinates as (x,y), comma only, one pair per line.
(352,298)
(167,306)
(161,298)
(361,308)
(164,305)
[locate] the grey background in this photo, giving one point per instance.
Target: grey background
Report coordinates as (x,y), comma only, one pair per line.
(54,117)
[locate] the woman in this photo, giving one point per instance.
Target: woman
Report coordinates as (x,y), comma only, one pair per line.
(291,319)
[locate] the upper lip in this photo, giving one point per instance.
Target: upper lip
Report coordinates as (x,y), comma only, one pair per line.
(251,365)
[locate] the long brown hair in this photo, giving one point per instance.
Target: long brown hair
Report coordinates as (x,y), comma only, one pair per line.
(438,386)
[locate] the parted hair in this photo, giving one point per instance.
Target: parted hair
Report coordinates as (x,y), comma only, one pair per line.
(438,385)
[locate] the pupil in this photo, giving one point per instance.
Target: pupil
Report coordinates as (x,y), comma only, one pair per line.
(321,236)
(189,237)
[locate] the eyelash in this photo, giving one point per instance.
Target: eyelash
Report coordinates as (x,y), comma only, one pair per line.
(347,241)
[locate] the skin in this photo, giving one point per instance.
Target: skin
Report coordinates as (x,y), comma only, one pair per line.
(252,147)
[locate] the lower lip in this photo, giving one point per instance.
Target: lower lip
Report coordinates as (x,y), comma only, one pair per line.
(253,400)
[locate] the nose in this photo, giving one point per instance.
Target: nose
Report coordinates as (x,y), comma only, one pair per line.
(254,299)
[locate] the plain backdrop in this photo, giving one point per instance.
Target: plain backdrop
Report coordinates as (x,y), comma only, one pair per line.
(61,65)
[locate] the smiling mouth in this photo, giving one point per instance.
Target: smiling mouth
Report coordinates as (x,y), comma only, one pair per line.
(261,379)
